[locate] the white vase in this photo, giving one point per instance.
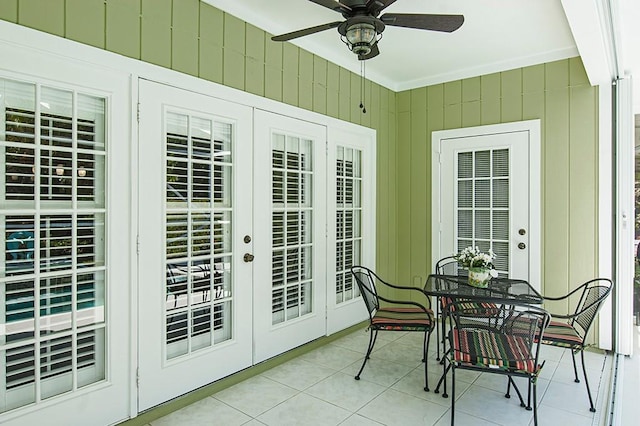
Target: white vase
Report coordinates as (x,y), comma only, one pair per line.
(479,277)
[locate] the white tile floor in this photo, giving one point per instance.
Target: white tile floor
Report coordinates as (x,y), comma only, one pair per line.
(318,388)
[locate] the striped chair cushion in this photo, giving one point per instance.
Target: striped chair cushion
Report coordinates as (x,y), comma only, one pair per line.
(407,319)
(473,308)
(561,334)
(494,350)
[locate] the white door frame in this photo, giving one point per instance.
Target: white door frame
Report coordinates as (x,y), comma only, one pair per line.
(624,219)
(533,128)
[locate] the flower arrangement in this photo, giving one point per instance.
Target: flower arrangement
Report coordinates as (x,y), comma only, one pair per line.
(479,265)
(472,257)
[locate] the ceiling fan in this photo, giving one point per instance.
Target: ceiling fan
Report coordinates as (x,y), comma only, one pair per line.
(363,26)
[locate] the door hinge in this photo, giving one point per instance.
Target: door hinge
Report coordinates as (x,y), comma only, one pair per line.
(138,244)
(137,377)
(138,112)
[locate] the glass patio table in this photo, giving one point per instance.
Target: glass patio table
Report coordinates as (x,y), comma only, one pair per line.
(500,290)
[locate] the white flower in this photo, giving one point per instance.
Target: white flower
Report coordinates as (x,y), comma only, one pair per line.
(471,257)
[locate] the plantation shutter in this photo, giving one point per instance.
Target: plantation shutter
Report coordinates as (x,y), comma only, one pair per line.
(52,235)
(482,205)
(348,220)
(292,245)
(198,290)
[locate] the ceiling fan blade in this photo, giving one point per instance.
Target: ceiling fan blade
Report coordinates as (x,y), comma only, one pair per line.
(374,52)
(444,23)
(306,31)
(376,6)
(333,5)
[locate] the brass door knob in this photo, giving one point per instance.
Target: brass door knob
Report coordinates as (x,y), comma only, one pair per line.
(522,246)
(248,257)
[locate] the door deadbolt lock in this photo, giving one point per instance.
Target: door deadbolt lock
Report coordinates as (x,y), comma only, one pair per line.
(247,239)
(248,257)
(522,231)
(522,246)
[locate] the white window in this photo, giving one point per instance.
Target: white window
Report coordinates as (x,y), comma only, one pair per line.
(348,220)
(292,270)
(483,203)
(52,235)
(198,232)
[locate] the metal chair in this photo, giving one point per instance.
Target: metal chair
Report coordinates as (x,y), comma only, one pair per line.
(449,266)
(445,266)
(387,314)
(507,344)
(570,330)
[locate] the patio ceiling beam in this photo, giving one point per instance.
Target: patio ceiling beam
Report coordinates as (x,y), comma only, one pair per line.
(590,23)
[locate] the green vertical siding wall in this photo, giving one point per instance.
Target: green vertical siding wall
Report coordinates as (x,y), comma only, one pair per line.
(557,93)
(195,38)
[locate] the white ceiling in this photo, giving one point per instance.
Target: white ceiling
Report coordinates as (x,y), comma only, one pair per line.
(497,35)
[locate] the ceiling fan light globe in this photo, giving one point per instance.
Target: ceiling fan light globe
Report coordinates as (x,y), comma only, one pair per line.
(360,36)
(361,33)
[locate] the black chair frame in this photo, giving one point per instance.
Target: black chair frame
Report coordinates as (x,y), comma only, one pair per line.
(592,296)
(441,268)
(517,322)
(393,314)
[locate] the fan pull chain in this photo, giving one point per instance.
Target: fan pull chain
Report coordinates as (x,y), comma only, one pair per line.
(363,93)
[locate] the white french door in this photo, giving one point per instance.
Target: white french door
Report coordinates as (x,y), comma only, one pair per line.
(195,209)
(486,186)
(234,220)
(289,233)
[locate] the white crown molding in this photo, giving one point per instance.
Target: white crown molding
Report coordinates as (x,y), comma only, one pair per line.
(520,62)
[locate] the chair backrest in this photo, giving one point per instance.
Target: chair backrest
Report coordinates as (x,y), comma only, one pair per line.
(473,330)
(526,321)
(366,280)
(449,266)
(594,293)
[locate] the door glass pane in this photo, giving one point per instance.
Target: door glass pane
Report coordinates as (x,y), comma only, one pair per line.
(348,220)
(482,203)
(198,295)
(52,265)
(465,193)
(292,225)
